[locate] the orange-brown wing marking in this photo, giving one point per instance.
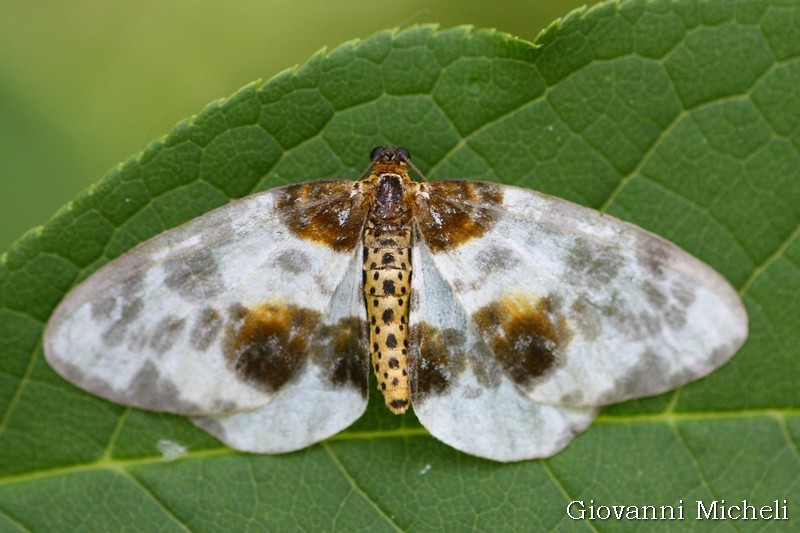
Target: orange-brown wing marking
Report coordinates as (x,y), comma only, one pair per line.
(330,212)
(266,346)
(450,213)
(526,336)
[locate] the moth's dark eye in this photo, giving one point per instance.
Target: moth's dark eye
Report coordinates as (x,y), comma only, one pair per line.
(404,154)
(375,152)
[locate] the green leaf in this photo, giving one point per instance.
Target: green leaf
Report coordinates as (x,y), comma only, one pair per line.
(682,117)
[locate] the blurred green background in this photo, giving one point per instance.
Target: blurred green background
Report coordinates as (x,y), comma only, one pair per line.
(84,84)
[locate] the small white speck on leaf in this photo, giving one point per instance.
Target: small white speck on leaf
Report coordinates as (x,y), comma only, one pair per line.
(170,449)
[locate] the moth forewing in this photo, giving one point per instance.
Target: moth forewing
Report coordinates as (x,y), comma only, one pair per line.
(210,318)
(583,309)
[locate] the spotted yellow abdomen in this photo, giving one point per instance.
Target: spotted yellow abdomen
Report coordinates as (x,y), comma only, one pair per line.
(387,287)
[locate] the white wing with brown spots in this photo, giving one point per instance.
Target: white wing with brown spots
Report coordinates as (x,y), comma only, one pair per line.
(580,308)
(309,409)
(460,391)
(229,312)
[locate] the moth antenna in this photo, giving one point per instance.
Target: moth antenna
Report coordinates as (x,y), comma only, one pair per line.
(413,167)
(367,170)
(391,153)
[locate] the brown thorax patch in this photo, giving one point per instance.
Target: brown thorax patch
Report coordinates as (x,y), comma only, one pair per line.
(526,335)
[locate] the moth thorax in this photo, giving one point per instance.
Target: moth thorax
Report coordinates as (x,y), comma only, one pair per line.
(389,199)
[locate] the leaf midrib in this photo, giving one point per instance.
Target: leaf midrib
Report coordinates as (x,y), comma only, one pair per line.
(121,465)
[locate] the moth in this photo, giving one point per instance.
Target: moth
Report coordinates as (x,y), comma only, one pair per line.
(503,316)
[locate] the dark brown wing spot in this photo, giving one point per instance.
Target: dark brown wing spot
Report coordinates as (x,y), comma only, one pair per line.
(456,212)
(102,308)
(495,258)
(293,261)
(324,211)
(115,333)
(598,265)
(266,345)
(166,333)
(525,334)
(150,390)
(440,357)
(653,253)
(205,329)
(341,352)
(194,276)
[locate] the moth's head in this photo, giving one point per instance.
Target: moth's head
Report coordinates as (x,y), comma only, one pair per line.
(389,154)
(392,159)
